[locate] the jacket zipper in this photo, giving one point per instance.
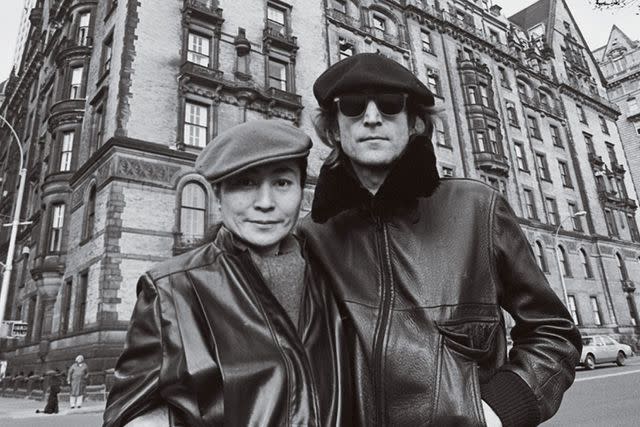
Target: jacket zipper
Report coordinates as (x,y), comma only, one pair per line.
(386,299)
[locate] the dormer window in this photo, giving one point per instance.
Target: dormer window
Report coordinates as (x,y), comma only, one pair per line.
(379,23)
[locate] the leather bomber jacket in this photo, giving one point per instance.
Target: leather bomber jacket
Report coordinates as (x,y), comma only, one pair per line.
(210,341)
(424,269)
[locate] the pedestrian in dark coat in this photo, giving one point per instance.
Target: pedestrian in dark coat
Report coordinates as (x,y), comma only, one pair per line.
(52,399)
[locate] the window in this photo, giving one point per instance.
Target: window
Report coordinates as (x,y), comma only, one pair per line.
(66,306)
(472,95)
(633,228)
(340,6)
(98,125)
(447,171)
(522,90)
(433,81)
(107,52)
(493,140)
(57,224)
(346,49)
(564,262)
(633,311)
(542,261)
(90,214)
(504,79)
(573,309)
(494,36)
(66,151)
(482,143)
(544,99)
(586,265)
(588,140)
(425,37)
(484,95)
(193,212)
(612,153)
(595,310)
(520,158)
(577,221)
(622,268)
(530,203)
(564,174)
(440,133)
(512,116)
(581,114)
(379,23)
(555,136)
(196,119)
(632,105)
(198,49)
(81,301)
(603,125)
(76,82)
(83,29)
(611,222)
(552,211)
(534,130)
(543,169)
(277,74)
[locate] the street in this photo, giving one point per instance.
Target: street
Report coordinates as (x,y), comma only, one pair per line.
(79,420)
(609,395)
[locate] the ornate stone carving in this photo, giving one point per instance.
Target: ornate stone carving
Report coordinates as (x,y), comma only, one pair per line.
(146,171)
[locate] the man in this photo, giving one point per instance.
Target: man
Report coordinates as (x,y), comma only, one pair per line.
(423,267)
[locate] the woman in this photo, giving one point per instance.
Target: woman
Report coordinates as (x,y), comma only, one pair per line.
(77,378)
(238,331)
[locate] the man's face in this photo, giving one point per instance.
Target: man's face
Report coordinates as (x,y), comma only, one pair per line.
(373,140)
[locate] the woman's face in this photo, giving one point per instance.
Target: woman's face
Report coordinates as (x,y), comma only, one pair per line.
(261,204)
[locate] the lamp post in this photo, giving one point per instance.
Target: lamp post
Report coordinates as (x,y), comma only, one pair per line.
(555,240)
(8,266)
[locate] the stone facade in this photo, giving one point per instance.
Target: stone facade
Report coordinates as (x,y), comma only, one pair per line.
(509,93)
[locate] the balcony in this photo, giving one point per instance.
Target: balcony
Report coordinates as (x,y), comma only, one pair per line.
(630,203)
(343,19)
(465,64)
(203,10)
(389,38)
(628,285)
(285,97)
(492,162)
(278,36)
(595,160)
(65,111)
(74,48)
(35,17)
(617,168)
(611,197)
(201,75)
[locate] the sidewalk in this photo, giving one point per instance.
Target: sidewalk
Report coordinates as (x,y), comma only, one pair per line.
(16,408)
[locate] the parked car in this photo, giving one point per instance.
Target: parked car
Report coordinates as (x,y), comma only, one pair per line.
(598,349)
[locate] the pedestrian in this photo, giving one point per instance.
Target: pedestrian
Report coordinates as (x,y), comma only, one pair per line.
(77,378)
(425,266)
(239,331)
(52,399)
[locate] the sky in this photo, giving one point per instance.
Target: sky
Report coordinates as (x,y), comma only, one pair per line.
(594,24)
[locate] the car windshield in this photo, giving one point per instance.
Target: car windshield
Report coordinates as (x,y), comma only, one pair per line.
(587,341)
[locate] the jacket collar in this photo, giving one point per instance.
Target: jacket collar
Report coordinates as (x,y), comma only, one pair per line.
(414,175)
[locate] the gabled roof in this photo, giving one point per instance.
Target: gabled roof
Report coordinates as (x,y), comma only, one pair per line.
(532,15)
(617,39)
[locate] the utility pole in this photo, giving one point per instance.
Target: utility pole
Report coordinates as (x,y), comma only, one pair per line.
(6,276)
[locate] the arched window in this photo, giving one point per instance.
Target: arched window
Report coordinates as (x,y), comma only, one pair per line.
(90,214)
(193,210)
(621,267)
(586,265)
(564,262)
(542,262)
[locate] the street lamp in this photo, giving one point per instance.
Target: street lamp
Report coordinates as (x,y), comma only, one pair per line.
(6,276)
(557,251)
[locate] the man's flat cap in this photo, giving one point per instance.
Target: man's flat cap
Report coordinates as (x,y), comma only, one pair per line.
(369,71)
(251,144)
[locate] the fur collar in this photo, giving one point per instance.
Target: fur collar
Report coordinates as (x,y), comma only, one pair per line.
(414,175)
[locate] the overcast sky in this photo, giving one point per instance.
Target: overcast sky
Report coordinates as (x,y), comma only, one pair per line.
(595,25)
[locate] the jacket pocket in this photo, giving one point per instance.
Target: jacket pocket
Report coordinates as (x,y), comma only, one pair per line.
(458,401)
(474,338)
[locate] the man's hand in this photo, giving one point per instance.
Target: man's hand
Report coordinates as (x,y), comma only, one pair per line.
(490,416)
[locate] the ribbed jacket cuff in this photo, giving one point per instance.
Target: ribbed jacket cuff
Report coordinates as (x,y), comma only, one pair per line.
(511,399)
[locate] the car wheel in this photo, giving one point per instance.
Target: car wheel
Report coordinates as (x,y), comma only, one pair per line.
(621,358)
(590,362)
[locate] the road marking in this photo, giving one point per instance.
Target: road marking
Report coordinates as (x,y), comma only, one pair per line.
(607,375)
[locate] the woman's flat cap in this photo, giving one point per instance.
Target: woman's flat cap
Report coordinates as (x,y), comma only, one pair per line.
(251,144)
(369,71)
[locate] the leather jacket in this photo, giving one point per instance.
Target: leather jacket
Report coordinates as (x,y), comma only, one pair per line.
(210,341)
(424,268)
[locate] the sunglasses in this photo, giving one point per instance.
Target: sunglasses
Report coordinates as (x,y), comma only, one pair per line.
(354,105)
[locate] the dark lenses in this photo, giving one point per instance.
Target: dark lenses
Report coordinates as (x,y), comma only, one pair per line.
(354,105)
